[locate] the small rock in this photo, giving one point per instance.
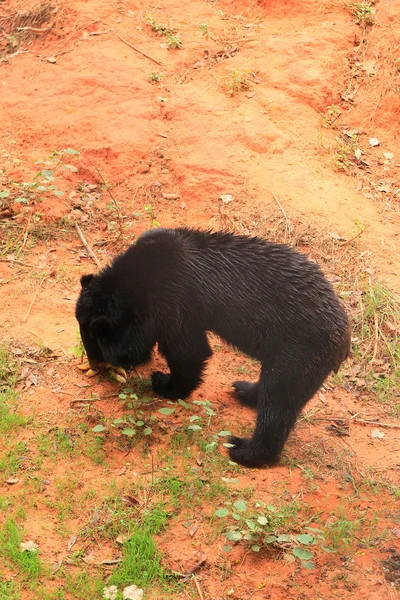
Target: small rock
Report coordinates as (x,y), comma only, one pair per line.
(132,593)
(377,433)
(144,168)
(374,141)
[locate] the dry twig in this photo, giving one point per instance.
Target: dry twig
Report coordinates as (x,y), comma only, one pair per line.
(36,293)
(137,49)
(198,588)
(88,248)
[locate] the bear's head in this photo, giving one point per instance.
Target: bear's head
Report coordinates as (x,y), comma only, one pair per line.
(93,312)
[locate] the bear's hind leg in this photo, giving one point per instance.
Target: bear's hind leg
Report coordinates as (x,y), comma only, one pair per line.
(187,358)
(283,390)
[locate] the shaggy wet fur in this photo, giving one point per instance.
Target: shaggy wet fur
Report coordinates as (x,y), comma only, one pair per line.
(263,298)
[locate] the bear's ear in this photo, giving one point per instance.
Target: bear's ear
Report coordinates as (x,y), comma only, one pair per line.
(86,280)
(101,327)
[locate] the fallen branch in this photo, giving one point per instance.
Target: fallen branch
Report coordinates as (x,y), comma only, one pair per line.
(362,421)
(19,262)
(88,248)
(137,49)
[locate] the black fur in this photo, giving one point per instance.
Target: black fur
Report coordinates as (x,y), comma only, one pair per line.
(265,299)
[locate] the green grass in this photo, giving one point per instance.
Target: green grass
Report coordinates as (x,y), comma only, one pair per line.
(11,460)
(28,563)
(9,418)
(141,559)
(8,590)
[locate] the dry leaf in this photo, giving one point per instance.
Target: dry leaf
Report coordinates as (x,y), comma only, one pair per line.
(130,500)
(71,542)
(12,480)
(111,561)
(171,196)
(193,528)
(28,546)
(123,537)
(90,559)
(55,567)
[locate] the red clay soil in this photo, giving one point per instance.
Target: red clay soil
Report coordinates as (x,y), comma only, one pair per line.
(178,145)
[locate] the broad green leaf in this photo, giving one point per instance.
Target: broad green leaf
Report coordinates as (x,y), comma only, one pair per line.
(194,427)
(98,428)
(262,520)
(147,431)
(224,433)
(305,539)
(255,548)
(129,432)
(166,411)
(270,539)
(234,536)
(240,505)
(222,512)
(302,554)
(250,524)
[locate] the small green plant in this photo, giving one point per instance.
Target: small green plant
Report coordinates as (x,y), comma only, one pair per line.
(155,77)
(204,29)
(344,155)
(376,339)
(149,209)
(173,39)
(78,350)
(236,81)
(333,113)
(363,12)
(268,526)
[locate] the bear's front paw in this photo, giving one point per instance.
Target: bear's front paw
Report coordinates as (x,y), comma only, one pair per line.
(246,453)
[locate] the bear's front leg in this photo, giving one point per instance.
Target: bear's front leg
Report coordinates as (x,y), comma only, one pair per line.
(187,360)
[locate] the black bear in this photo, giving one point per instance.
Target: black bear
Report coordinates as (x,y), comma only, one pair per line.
(267,300)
